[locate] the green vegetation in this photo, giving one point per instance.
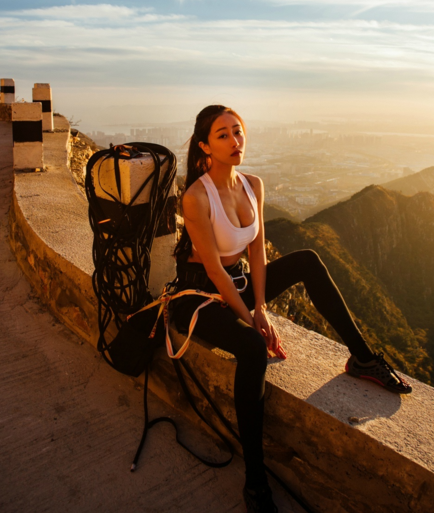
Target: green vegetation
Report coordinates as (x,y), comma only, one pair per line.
(392,235)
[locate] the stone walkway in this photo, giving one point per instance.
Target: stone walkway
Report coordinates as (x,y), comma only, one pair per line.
(70,425)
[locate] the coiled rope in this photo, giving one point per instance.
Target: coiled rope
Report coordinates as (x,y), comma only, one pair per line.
(124,233)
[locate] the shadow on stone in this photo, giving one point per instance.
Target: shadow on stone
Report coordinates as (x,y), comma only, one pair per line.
(355,401)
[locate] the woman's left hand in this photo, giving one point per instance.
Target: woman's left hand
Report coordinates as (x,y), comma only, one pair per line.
(268,331)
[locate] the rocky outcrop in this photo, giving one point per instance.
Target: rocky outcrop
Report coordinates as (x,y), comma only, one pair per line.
(274,212)
(81,149)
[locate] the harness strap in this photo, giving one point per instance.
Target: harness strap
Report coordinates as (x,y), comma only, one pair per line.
(196,277)
(164,301)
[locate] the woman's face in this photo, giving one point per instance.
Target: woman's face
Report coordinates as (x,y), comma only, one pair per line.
(226,141)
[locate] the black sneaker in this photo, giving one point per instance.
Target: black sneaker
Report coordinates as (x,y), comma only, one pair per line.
(259,500)
(378,371)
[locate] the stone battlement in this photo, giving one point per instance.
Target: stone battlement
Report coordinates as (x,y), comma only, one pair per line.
(342,444)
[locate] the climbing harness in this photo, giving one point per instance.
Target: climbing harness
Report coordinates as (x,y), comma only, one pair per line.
(163,303)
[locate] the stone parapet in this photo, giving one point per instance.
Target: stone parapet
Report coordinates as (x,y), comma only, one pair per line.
(345,445)
(7,142)
(27,136)
(7,90)
(42,94)
(51,237)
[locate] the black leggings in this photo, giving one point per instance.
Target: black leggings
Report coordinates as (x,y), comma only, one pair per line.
(221,328)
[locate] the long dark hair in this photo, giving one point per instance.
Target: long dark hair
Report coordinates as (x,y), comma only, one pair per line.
(199,163)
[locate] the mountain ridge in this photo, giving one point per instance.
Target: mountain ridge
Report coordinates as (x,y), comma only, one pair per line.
(423,181)
(392,235)
(363,243)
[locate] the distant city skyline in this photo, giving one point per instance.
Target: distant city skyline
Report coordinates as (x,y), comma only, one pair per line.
(277,60)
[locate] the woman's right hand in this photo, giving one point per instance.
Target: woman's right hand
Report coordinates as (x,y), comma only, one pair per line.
(264,326)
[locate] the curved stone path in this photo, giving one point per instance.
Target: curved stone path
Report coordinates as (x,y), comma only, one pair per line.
(69,424)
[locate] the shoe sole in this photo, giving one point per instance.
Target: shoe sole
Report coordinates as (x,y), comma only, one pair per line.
(377,381)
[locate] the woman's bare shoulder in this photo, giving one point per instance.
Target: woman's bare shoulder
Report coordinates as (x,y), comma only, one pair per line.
(196,192)
(195,199)
(257,185)
(254,180)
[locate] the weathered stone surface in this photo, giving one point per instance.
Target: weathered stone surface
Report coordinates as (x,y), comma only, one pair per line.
(26,111)
(6,113)
(6,147)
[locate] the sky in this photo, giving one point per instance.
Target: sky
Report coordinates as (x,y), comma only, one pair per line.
(142,62)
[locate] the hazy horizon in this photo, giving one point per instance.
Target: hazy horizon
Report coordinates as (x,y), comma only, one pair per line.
(273,60)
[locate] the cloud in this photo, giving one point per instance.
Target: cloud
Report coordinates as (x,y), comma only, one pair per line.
(362,3)
(95,13)
(81,11)
(133,47)
(362,6)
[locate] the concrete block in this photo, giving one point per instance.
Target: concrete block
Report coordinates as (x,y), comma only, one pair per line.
(27,135)
(163,267)
(6,143)
(28,155)
(42,94)
(25,111)
(133,172)
(7,90)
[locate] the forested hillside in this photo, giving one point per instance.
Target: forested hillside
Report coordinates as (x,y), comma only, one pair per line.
(393,236)
(382,322)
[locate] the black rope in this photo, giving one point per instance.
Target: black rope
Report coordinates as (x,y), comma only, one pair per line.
(178,365)
(149,424)
(124,234)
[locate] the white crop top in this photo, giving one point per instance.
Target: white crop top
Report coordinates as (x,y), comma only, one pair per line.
(230,239)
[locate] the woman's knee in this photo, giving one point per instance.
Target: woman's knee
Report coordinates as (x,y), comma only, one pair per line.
(311,257)
(301,259)
(253,349)
(258,347)
(312,263)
